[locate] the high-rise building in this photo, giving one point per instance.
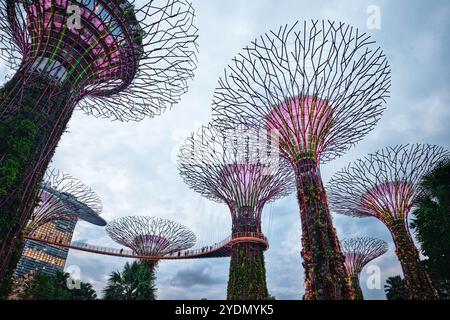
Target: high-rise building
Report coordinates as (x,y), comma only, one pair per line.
(45,257)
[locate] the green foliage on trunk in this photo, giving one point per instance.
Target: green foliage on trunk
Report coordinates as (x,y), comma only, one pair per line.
(247,279)
(30,117)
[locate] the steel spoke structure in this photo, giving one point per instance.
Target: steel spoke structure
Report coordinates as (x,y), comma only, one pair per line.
(115,59)
(63,197)
(385,185)
(242,169)
(150,236)
(318,87)
(358,253)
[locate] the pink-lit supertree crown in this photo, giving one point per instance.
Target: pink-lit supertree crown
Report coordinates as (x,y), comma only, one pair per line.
(237,167)
(321,84)
(56,188)
(150,236)
(384,184)
(360,251)
(122,61)
(241,168)
(302,126)
(389,199)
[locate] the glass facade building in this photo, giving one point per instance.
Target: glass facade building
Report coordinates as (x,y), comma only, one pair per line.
(44,257)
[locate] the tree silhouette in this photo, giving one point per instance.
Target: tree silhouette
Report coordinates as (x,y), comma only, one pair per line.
(135,282)
(432,225)
(395,289)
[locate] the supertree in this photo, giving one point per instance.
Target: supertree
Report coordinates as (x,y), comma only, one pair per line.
(63,197)
(358,252)
(385,185)
(318,89)
(150,236)
(109,58)
(242,169)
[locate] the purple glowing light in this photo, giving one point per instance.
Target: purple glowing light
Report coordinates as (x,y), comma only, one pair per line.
(301,124)
(390,198)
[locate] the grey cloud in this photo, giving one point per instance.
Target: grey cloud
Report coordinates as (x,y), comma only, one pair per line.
(199,275)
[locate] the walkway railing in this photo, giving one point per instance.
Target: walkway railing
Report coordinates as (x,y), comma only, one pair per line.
(219,249)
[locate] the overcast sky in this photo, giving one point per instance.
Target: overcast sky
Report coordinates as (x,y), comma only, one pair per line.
(133,167)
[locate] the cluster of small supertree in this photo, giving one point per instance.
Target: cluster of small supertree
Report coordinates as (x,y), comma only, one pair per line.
(317,88)
(385,185)
(109,58)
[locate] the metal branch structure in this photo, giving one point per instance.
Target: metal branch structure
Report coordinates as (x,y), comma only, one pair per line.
(63,197)
(242,169)
(358,253)
(385,185)
(120,60)
(317,87)
(150,236)
(110,58)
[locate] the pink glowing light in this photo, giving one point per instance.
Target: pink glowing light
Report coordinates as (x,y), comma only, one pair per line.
(150,243)
(391,198)
(301,124)
(105,58)
(242,175)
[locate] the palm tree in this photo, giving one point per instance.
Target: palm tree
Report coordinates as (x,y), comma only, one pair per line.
(432,225)
(395,289)
(136,282)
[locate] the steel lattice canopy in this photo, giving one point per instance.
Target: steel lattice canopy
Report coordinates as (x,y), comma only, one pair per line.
(81,210)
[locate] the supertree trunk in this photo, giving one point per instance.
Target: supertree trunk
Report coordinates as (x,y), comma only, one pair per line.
(417,281)
(33,115)
(247,273)
(247,280)
(356,286)
(151,264)
(323,262)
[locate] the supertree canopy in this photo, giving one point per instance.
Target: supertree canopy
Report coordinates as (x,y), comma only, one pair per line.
(119,60)
(110,58)
(318,89)
(242,169)
(385,185)
(150,236)
(63,197)
(358,252)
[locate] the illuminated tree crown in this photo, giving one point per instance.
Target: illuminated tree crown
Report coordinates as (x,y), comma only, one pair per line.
(384,184)
(123,61)
(150,236)
(63,197)
(360,251)
(319,87)
(237,167)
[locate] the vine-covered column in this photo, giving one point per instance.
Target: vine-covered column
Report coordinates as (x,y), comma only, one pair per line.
(323,262)
(356,286)
(247,279)
(417,281)
(33,114)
